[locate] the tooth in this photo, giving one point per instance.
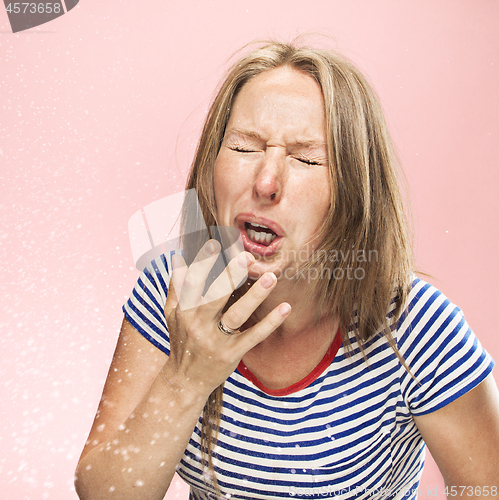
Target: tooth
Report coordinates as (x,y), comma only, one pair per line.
(261,237)
(259,225)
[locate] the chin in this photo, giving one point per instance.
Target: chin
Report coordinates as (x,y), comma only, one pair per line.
(259,268)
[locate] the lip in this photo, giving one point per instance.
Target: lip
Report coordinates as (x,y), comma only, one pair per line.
(254,247)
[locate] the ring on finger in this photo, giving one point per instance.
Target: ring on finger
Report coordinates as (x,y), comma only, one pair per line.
(225,329)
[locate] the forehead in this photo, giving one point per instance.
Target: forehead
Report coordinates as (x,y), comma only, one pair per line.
(285,81)
(281,99)
(287,76)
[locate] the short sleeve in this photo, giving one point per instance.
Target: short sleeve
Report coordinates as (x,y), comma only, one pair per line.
(145,307)
(441,351)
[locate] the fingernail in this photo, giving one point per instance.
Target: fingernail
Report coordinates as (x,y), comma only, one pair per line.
(245,260)
(267,280)
(211,247)
(284,309)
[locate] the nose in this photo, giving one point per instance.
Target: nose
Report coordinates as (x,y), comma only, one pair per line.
(270,176)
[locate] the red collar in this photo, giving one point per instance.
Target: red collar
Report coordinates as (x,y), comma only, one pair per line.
(305,382)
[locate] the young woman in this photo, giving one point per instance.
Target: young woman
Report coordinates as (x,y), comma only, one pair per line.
(330,368)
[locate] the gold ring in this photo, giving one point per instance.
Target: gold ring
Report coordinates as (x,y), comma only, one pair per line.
(225,329)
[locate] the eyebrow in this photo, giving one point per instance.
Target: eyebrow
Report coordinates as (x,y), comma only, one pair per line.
(255,135)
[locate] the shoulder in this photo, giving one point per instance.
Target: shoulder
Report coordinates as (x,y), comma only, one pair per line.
(157,273)
(144,309)
(154,280)
(444,356)
(428,315)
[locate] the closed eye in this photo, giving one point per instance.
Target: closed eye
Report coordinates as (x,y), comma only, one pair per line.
(242,150)
(308,162)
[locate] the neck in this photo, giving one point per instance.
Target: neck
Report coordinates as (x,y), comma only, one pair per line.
(302,318)
(292,351)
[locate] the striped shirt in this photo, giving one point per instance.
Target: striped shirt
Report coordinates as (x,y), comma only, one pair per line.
(347,430)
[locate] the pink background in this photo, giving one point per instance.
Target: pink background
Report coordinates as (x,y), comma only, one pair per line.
(100,111)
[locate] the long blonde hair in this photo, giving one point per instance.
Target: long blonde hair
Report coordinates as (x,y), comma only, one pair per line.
(366,216)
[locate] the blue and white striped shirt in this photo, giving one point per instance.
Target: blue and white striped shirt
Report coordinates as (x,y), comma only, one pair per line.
(347,431)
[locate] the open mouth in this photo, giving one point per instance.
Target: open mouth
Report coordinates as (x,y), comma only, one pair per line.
(259,233)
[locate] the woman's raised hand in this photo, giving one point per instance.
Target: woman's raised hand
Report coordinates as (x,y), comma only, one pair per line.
(201,355)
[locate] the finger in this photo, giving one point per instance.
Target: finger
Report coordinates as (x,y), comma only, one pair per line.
(179,270)
(177,274)
(254,335)
(234,274)
(238,313)
(196,275)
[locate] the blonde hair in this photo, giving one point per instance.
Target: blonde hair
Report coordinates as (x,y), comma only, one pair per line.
(366,215)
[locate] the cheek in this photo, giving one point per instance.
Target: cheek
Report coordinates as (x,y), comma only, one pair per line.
(219,176)
(223,183)
(324,195)
(319,209)
(230,178)
(317,196)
